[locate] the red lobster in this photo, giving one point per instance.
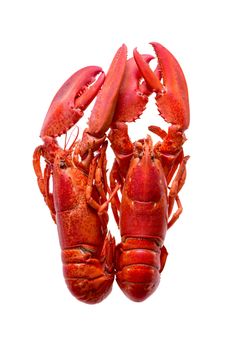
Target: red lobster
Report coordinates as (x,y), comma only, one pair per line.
(150,176)
(78,201)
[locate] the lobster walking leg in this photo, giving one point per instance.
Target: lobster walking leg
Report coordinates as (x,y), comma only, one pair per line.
(43,180)
(95,171)
(177,213)
(115,180)
(177,184)
(100,174)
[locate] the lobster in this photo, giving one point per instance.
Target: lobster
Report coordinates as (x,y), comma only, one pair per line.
(78,200)
(150,176)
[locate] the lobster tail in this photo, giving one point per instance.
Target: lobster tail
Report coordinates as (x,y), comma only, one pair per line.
(89,278)
(87,281)
(139,263)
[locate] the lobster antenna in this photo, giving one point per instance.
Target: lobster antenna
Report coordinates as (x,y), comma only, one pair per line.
(70,135)
(65,142)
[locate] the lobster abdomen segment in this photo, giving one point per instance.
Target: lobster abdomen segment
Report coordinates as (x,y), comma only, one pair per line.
(139,263)
(88,276)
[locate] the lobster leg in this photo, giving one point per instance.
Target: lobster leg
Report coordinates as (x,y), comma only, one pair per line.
(38,171)
(49,195)
(115,178)
(163,258)
(100,208)
(43,180)
(177,213)
(170,162)
(100,174)
(176,186)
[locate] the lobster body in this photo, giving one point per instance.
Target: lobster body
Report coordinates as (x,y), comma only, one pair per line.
(144,205)
(151,176)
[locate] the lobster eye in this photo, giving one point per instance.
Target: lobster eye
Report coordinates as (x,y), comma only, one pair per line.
(63,164)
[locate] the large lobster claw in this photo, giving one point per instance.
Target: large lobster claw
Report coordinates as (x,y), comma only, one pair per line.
(106,101)
(71,100)
(172,95)
(133,96)
(78,92)
(104,108)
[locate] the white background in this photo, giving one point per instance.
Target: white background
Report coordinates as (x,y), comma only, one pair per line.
(42,44)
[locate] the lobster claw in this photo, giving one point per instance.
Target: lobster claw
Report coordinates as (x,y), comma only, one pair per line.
(104,108)
(71,100)
(106,101)
(133,96)
(172,95)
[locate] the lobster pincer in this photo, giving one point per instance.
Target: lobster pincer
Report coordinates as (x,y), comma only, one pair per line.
(79,196)
(71,100)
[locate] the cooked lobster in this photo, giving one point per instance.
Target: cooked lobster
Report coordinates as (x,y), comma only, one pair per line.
(150,176)
(78,200)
